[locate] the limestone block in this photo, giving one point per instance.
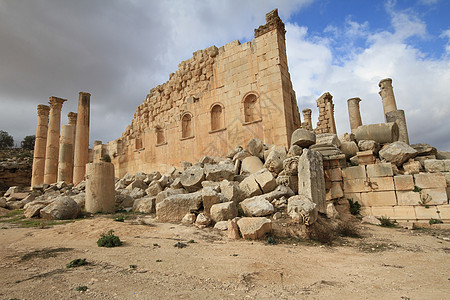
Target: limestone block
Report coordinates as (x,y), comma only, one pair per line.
(443,155)
(61,209)
(223,211)
(175,207)
(192,178)
(233,229)
(301,209)
(137,184)
(295,151)
(365,145)
(381,133)
(254,228)
(333,174)
(311,179)
(241,155)
(382,198)
(176,184)
(435,195)
(169,192)
(349,149)
(447,178)
(381,183)
(265,180)
(250,165)
(422,159)
(219,172)
(123,200)
(202,220)
(209,198)
(256,207)
(424,149)
(404,182)
(444,211)
(446,165)
(356,172)
(145,205)
(335,192)
(356,186)
(368,219)
(34,209)
(288,181)
(365,157)
(434,165)
(328,139)
(379,170)
(424,213)
(365,211)
(290,165)
(383,211)
(250,187)
(408,197)
(279,192)
(154,188)
(404,213)
(356,197)
(303,138)
(137,193)
(189,218)
(412,167)
(430,180)
(256,148)
(234,151)
(274,161)
(397,153)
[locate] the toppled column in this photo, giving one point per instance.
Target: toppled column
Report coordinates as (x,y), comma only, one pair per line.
(387,96)
(354,114)
(381,133)
(100,192)
(81,137)
(40,144)
(311,178)
(67,141)
(52,148)
(307,117)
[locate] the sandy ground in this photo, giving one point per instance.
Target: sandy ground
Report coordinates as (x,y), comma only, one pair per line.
(389,263)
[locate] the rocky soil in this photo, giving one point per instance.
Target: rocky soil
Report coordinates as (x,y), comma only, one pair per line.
(390,263)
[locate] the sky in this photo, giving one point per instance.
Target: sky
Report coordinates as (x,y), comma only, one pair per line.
(118,50)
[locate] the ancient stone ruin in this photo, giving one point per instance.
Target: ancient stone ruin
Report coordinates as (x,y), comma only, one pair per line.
(221,144)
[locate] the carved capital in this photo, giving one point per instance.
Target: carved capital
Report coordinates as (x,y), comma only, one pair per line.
(72,118)
(56,103)
(43,110)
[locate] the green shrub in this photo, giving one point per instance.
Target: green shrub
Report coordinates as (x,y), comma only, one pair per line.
(81,288)
(120,218)
(76,263)
(435,221)
(271,240)
(109,240)
(387,222)
(355,207)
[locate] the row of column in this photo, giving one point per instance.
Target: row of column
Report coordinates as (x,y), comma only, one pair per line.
(391,113)
(61,157)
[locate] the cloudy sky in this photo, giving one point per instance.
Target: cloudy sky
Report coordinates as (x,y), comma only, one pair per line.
(119,50)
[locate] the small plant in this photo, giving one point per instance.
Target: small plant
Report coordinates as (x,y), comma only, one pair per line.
(159,260)
(109,240)
(387,222)
(106,158)
(180,245)
(271,240)
(76,263)
(417,189)
(435,221)
(156,245)
(120,218)
(355,207)
(133,266)
(81,288)
(191,241)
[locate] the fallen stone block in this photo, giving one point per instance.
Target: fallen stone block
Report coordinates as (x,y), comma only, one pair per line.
(412,167)
(397,153)
(328,139)
(365,145)
(349,149)
(202,220)
(295,150)
(221,225)
(311,179)
(154,188)
(370,220)
(175,207)
(192,178)
(223,211)
(256,148)
(302,210)
(256,207)
(424,149)
(250,187)
(231,191)
(209,198)
(290,165)
(34,209)
(219,172)
(137,184)
(62,208)
(265,180)
(233,229)
(250,165)
(303,138)
(381,133)
(254,228)
(274,161)
(145,205)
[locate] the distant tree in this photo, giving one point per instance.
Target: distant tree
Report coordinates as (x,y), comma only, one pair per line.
(28,142)
(6,141)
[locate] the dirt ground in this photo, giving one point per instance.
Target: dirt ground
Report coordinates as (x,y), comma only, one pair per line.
(390,263)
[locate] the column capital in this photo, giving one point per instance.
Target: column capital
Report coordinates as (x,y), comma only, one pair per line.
(43,110)
(55,102)
(307,111)
(72,118)
(354,100)
(385,82)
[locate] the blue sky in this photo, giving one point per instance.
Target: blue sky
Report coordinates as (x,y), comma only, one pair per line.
(118,50)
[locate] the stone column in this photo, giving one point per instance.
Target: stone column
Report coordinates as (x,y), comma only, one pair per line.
(67,141)
(398,116)
(354,115)
(52,150)
(100,190)
(37,177)
(387,95)
(330,112)
(307,117)
(81,137)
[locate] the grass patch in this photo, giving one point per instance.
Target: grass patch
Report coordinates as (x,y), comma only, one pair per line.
(109,240)
(76,263)
(435,221)
(12,214)
(387,222)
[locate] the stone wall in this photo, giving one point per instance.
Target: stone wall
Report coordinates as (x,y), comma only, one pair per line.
(219,98)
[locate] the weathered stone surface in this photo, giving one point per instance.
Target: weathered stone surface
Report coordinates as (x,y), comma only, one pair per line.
(279,192)
(202,220)
(404,183)
(145,205)
(349,149)
(175,207)
(124,200)
(412,167)
(176,184)
(155,175)
(347,137)
(241,155)
(11,190)
(335,191)
(295,151)
(209,198)
(311,180)
(250,187)
(434,165)
(62,208)
(169,192)
(301,209)
(265,180)
(233,229)
(233,152)
(219,172)
(254,228)
(288,181)
(290,165)
(365,145)
(274,161)
(328,139)
(381,133)
(222,225)
(379,170)
(443,155)
(189,218)
(137,184)
(137,193)
(223,211)
(34,208)
(303,138)
(192,178)
(165,181)
(397,153)
(154,188)
(256,148)
(332,213)
(256,207)
(424,149)
(250,165)
(370,220)
(231,191)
